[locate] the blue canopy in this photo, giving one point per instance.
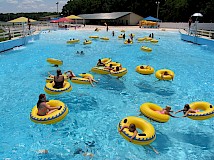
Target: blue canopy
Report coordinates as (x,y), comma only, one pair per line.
(150,18)
(55,18)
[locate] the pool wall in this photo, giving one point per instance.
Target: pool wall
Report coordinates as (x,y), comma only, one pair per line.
(10,44)
(197,40)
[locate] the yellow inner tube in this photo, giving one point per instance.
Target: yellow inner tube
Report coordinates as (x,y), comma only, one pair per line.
(52,118)
(205,113)
(100,70)
(141,39)
(50,90)
(104,38)
(82,79)
(154,41)
(114,64)
(54,61)
(146,70)
(106,60)
(126,42)
(51,78)
(148,38)
(147,49)
(149,110)
(141,124)
(160,72)
(94,37)
(73,41)
(88,42)
(122,30)
(120,36)
(119,73)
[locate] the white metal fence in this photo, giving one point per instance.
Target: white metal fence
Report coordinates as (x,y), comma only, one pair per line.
(16,33)
(202,26)
(21,30)
(11,31)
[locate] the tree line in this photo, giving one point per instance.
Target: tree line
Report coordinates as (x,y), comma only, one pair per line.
(34,15)
(169,10)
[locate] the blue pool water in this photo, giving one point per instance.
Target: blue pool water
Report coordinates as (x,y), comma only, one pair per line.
(94,112)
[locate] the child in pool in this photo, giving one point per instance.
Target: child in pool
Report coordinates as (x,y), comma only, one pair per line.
(166,111)
(186,110)
(132,128)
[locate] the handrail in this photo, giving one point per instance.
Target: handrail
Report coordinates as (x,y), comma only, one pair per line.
(16,33)
(205,33)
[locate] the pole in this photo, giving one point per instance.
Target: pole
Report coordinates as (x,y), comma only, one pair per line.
(157,2)
(57,3)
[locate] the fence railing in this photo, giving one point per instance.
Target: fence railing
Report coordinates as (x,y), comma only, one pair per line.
(16,33)
(206,33)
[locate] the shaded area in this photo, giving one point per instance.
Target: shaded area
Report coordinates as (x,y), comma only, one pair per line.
(195,138)
(82,102)
(165,92)
(164,141)
(144,86)
(111,83)
(147,87)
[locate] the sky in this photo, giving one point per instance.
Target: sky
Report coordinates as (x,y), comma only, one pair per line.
(17,6)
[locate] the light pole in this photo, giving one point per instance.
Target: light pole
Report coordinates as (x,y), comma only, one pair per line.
(57,3)
(157,2)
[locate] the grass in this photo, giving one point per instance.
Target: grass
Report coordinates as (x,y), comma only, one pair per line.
(5,39)
(2,39)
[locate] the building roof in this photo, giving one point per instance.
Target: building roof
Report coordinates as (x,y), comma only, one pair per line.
(113,15)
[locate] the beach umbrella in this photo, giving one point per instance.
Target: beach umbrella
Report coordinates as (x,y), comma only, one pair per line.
(64,19)
(197,15)
(196,21)
(54,21)
(150,18)
(74,17)
(21,20)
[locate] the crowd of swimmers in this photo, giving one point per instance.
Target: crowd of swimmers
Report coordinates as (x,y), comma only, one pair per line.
(110,67)
(59,78)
